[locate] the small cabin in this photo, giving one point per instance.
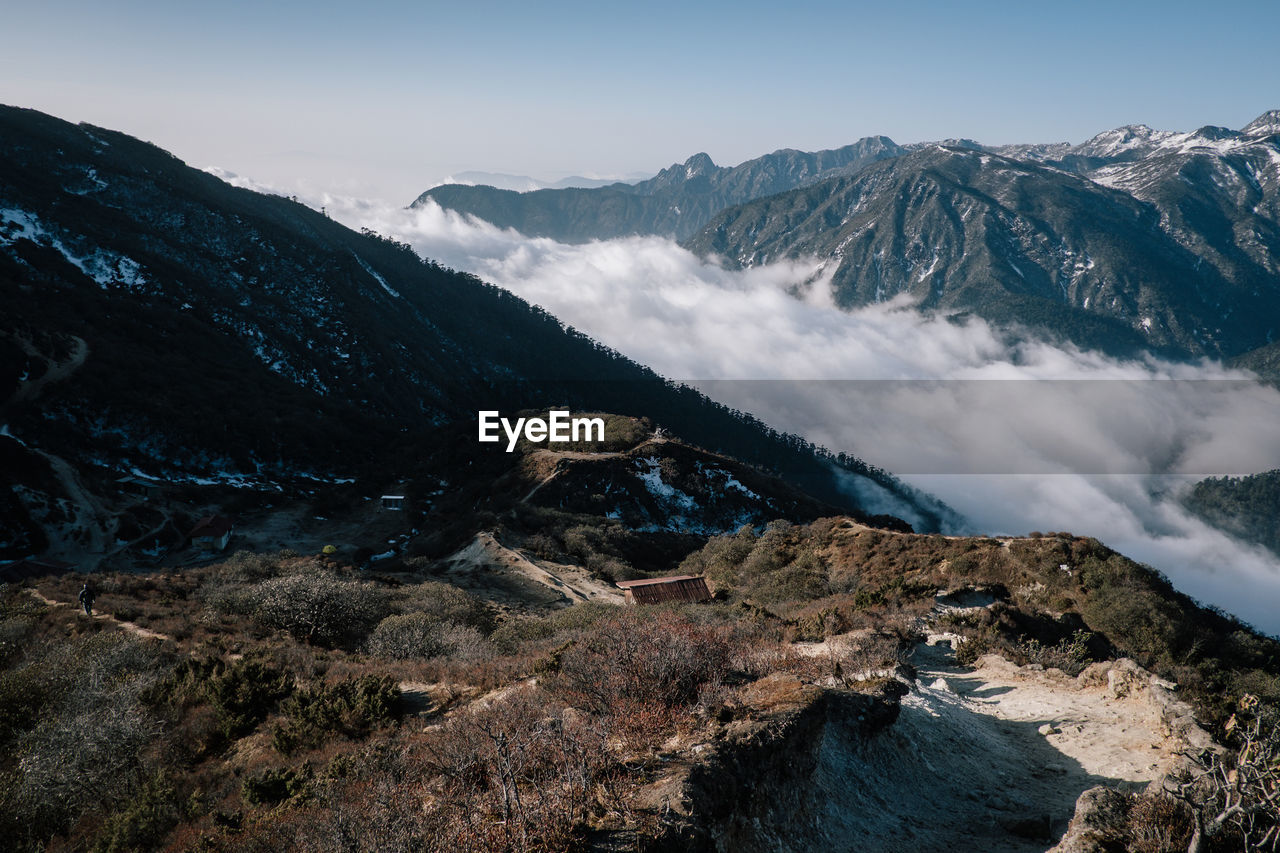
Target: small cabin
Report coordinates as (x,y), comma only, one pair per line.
(140,487)
(395,502)
(212,533)
(658,590)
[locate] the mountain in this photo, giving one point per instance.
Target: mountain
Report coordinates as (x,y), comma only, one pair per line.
(1134,239)
(524,183)
(1245,507)
(1264,361)
(674,203)
(156,321)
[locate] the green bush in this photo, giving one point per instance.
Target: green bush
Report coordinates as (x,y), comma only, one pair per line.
(241,693)
(275,786)
(143,821)
(352,707)
(245,693)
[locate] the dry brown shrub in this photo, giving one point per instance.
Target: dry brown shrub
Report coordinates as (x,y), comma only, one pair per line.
(1158,823)
(657,658)
(522,773)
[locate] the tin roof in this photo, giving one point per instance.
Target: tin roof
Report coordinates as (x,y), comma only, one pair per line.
(648,581)
(212,526)
(674,588)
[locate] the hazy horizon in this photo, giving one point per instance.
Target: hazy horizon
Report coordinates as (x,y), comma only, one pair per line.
(386,99)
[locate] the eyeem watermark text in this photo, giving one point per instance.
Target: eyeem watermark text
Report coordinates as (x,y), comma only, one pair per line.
(559,426)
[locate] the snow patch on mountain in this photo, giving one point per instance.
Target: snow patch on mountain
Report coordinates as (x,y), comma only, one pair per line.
(376,277)
(104,267)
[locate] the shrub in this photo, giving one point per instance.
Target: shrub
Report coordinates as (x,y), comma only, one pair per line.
(518,630)
(521,774)
(411,635)
(248,567)
(87,747)
(276,786)
(645,657)
(23,693)
(15,631)
(1233,797)
(143,821)
(241,693)
(445,603)
(421,635)
(1158,823)
(1071,655)
(352,707)
(245,693)
(318,607)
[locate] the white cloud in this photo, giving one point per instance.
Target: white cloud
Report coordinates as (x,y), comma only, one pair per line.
(1072,454)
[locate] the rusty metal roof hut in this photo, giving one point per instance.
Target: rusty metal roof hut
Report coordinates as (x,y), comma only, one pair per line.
(658,590)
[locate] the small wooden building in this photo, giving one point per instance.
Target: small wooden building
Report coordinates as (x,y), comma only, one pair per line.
(393,501)
(675,588)
(141,487)
(212,532)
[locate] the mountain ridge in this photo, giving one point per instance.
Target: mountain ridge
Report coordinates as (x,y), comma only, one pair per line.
(1133,240)
(673,203)
(224,336)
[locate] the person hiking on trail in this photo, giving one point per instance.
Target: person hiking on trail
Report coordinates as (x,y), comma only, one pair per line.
(86,598)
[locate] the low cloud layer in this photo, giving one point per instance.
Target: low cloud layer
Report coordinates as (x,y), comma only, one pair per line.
(1104,450)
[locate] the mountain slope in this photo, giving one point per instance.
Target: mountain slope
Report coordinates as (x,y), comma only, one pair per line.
(154,318)
(674,203)
(1245,507)
(1165,241)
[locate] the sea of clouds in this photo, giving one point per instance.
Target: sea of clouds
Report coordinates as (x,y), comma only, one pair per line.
(1015,433)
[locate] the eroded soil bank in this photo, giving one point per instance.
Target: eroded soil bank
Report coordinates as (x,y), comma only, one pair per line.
(991,758)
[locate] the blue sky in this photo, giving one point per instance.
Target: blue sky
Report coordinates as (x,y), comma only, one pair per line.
(385,98)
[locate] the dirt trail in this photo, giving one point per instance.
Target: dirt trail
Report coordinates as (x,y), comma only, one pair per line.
(994,758)
(106,617)
(91,519)
(56,372)
(1117,736)
(571,583)
(544,457)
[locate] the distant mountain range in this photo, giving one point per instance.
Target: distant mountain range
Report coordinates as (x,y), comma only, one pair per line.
(156,320)
(674,203)
(524,183)
(1134,240)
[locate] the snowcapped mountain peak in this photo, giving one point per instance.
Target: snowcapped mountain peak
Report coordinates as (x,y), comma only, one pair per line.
(1267,124)
(1110,143)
